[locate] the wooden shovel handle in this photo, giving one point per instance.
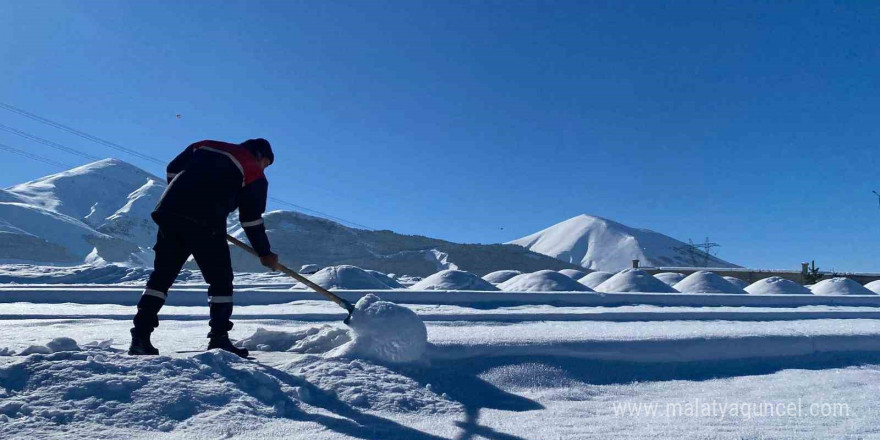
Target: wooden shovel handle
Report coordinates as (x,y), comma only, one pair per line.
(282,268)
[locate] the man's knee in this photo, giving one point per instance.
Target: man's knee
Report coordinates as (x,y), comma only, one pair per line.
(161,281)
(170,257)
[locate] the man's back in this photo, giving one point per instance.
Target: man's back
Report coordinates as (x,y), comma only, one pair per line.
(207,180)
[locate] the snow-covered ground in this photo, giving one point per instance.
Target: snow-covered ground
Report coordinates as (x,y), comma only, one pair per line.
(499,366)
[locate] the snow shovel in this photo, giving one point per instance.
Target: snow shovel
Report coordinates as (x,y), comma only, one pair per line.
(282,268)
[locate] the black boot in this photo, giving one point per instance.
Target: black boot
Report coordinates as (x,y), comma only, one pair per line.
(145,321)
(220,325)
(140,344)
(223,343)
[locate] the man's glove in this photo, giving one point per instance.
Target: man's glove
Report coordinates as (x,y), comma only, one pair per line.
(270,260)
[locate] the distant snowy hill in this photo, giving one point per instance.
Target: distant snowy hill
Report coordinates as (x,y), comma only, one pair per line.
(79,214)
(601,244)
(101,211)
(91,193)
(302,239)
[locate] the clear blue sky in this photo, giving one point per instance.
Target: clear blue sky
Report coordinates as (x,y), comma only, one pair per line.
(753,123)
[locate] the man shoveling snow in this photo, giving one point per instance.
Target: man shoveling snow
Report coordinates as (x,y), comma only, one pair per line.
(206,182)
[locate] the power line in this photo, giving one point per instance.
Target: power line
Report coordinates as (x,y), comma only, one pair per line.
(32,156)
(48,143)
(79,133)
(61,165)
(118,147)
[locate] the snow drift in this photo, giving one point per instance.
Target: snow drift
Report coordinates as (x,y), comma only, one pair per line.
(543,281)
(453,280)
(634,280)
(706,282)
(777,286)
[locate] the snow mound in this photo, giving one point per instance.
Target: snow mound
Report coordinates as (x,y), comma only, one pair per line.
(575,274)
(346,277)
(157,393)
(56,345)
(386,279)
(634,280)
(62,344)
(670,278)
(839,286)
(874,286)
(385,332)
(594,279)
(500,276)
(777,286)
(451,279)
(543,281)
(736,282)
(706,282)
(319,339)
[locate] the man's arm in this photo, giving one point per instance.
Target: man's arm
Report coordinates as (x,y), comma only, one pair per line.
(251,206)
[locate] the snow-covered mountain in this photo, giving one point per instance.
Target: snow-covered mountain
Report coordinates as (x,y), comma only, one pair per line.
(90,193)
(101,211)
(98,210)
(601,244)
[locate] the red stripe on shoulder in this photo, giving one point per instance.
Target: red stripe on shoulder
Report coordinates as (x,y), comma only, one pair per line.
(242,158)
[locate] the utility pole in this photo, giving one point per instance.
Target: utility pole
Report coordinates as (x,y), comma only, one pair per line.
(699,254)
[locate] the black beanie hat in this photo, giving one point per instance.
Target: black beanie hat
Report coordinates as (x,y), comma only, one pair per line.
(259,148)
